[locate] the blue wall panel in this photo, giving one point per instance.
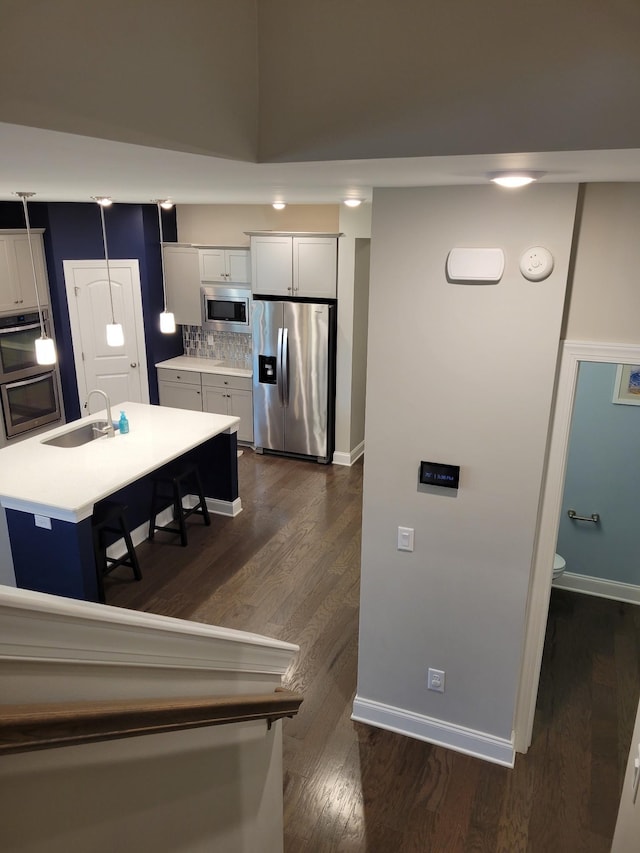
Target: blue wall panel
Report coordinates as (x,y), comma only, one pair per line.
(603,476)
(73,232)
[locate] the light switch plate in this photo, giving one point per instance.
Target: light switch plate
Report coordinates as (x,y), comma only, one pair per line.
(405,539)
(42,521)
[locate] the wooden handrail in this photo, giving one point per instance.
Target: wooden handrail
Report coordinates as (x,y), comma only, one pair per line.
(24,728)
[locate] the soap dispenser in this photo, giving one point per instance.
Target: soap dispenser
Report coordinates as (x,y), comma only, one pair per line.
(123,423)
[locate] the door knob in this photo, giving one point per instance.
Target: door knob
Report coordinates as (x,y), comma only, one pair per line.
(134,364)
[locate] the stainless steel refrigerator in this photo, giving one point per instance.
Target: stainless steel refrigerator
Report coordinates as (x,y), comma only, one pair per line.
(294,377)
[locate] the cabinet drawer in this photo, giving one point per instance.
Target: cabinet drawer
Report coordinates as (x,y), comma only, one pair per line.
(222,380)
(187,377)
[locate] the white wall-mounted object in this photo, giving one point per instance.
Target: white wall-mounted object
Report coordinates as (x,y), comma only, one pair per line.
(483,264)
(536,263)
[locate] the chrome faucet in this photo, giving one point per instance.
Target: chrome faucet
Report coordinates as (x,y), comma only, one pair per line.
(107,429)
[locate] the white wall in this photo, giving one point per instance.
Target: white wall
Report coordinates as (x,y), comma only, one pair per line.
(214,789)
(353,289)
(461,374)
(225,224)
(360,339)
(605,297)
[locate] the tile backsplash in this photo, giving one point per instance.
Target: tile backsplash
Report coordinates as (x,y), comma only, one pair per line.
(232,347)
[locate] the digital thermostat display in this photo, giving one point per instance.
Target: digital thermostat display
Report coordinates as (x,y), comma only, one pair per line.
(439,474)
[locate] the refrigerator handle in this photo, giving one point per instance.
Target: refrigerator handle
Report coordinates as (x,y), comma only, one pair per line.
(285,367)
(279,366)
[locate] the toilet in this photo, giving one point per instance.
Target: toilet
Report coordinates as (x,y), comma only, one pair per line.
(558,566)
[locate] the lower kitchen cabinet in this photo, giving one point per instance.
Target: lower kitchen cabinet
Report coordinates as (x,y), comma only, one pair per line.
(217,393)
(230,395)
(180,389)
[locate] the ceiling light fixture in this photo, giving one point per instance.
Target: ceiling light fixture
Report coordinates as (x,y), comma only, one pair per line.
(278,205)
(167,318)
(115,334)
(45,346)
(353,202)
(513,180)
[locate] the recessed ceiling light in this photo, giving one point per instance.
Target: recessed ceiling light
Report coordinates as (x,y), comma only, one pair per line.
(279,205)
(513,180)
(353,202)
(103,200)
(165,203)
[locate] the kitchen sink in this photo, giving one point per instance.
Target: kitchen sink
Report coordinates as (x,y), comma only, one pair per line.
(80,435)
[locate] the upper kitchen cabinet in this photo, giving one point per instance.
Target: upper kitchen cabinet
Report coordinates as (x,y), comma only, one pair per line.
(303,265)
(17,291)
(218,264)
(182,275)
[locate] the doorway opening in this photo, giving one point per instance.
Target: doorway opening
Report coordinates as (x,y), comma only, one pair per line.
(573,353)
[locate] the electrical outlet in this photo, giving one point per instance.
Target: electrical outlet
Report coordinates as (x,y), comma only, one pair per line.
(435,680)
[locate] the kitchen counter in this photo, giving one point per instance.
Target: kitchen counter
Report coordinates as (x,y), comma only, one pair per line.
(49,492)
(205,365)
(65,482)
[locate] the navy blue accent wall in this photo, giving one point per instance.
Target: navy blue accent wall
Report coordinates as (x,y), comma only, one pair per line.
(73,232)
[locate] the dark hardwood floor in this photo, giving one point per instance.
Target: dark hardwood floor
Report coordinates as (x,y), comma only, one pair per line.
(288,567)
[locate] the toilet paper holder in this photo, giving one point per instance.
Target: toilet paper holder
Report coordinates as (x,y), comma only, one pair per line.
(595,516)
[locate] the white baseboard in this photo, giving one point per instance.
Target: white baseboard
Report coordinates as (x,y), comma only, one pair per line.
(228,508)
(478,744)
(588,585)
(340,458)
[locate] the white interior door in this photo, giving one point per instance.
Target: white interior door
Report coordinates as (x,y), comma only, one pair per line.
(120,371)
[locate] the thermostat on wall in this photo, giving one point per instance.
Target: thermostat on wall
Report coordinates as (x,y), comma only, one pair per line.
(536,263)
(475,264)
(439,474)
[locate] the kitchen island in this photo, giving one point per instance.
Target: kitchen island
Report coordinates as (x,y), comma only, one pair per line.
(49,492)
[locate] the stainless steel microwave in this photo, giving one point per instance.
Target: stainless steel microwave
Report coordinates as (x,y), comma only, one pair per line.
(226,308)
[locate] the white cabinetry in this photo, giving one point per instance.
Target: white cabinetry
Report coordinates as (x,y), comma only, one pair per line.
(182,274)
(17,290)
(294,265)
(230,395)
(180,389)
(186,267)
(218,393)
(218,264)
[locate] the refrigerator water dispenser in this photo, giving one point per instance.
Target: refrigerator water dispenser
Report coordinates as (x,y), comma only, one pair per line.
(267,369)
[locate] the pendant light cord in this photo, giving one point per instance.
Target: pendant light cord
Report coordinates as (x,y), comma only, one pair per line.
(106,257)
(33,265)
(164,284)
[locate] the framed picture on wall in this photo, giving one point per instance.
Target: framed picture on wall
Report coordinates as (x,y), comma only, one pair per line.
(627,386)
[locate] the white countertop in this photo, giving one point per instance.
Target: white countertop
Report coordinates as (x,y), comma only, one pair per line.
(205,365)
(65,482)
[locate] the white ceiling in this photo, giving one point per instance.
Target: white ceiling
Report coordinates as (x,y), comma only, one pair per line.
(64,167)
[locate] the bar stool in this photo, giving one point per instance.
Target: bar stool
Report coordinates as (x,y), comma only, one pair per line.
(171,486)
(109,518)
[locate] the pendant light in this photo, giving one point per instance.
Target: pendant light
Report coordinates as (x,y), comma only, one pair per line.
(167,318)
(45,346)
(115,334)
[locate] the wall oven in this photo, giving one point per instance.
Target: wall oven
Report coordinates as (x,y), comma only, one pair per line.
(28,391)
(226,308)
